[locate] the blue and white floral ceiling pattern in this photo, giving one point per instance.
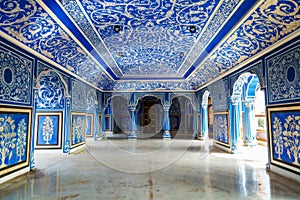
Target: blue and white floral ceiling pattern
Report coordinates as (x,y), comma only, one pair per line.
(155,47)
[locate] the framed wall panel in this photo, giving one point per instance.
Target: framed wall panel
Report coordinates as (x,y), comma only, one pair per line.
(221,128)
(78,129)
(15,137)
(284,135)
(48,130)
(89,125)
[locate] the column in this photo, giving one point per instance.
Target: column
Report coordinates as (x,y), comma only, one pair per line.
(103,124)
(67,125)
(166,134)
(132,134)
(32,161)
(235,124)
(249,125)
(204,132)
(195,124)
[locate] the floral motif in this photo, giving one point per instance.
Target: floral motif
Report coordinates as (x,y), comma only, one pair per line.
(51,92)
(47,129)
(13,140)
(79,99)
(270,22)
(18,89)
(221,127)
(286,145)
(78,129)
(281,88)
(144,44)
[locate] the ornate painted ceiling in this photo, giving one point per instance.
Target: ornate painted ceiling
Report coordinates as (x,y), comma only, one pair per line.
(148,44)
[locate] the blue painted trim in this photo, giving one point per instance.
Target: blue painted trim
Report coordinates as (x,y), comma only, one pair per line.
(235,18)
(65,19)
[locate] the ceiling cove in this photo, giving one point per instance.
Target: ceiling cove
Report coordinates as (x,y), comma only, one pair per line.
(148,44)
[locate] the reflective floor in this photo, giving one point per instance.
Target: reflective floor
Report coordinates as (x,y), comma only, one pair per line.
(151,169)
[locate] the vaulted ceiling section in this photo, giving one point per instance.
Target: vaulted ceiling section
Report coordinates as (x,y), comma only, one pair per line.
(146,45)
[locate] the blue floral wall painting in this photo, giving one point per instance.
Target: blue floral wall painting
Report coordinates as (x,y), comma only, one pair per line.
(15,134)
(48,130)
(221,131)
(78,129)
(284,131)
(89,125)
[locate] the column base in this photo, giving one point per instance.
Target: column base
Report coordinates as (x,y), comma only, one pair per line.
(132,135)
(251,142)
(236,149)
(166,135)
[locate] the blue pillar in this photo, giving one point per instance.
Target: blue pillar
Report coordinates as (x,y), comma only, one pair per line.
(235,124)
(204,118)
(67,125)
(132,134)
(32,161)
(103,123)
(249,125)
(195,124)
(96,122)
(166,134)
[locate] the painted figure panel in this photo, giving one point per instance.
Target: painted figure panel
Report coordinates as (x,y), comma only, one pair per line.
(221,128)
(14,139)
(284,128)
(48,130)
(78,129)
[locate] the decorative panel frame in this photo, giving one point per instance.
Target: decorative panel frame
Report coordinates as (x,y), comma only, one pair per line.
(15,76)
(221,128)
(78,128)
(282,72)
(48,130)
(15,139)
(89,125)
(284,136)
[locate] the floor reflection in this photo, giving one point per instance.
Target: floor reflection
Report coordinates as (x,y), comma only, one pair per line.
(217,176)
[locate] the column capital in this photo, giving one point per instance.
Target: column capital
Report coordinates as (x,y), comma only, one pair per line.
(132,108)
(249,103)
(235,100)
(166,107)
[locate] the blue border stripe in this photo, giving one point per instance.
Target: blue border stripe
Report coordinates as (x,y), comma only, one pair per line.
(57,10)
(235,18)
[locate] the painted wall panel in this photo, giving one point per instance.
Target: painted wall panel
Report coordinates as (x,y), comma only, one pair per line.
(89,125)
(219,94)
(79,98)
(48,130)
(78,129)
(284,131)
(51,88)
(15,139)
(221,128)
(15,76)
(283,76)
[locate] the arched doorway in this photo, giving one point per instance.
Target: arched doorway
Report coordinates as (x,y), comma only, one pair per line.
(149,117)
(120,116)
(182,116)
(242,110)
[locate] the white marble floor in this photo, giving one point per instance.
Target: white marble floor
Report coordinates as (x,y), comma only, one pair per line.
(151,169)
